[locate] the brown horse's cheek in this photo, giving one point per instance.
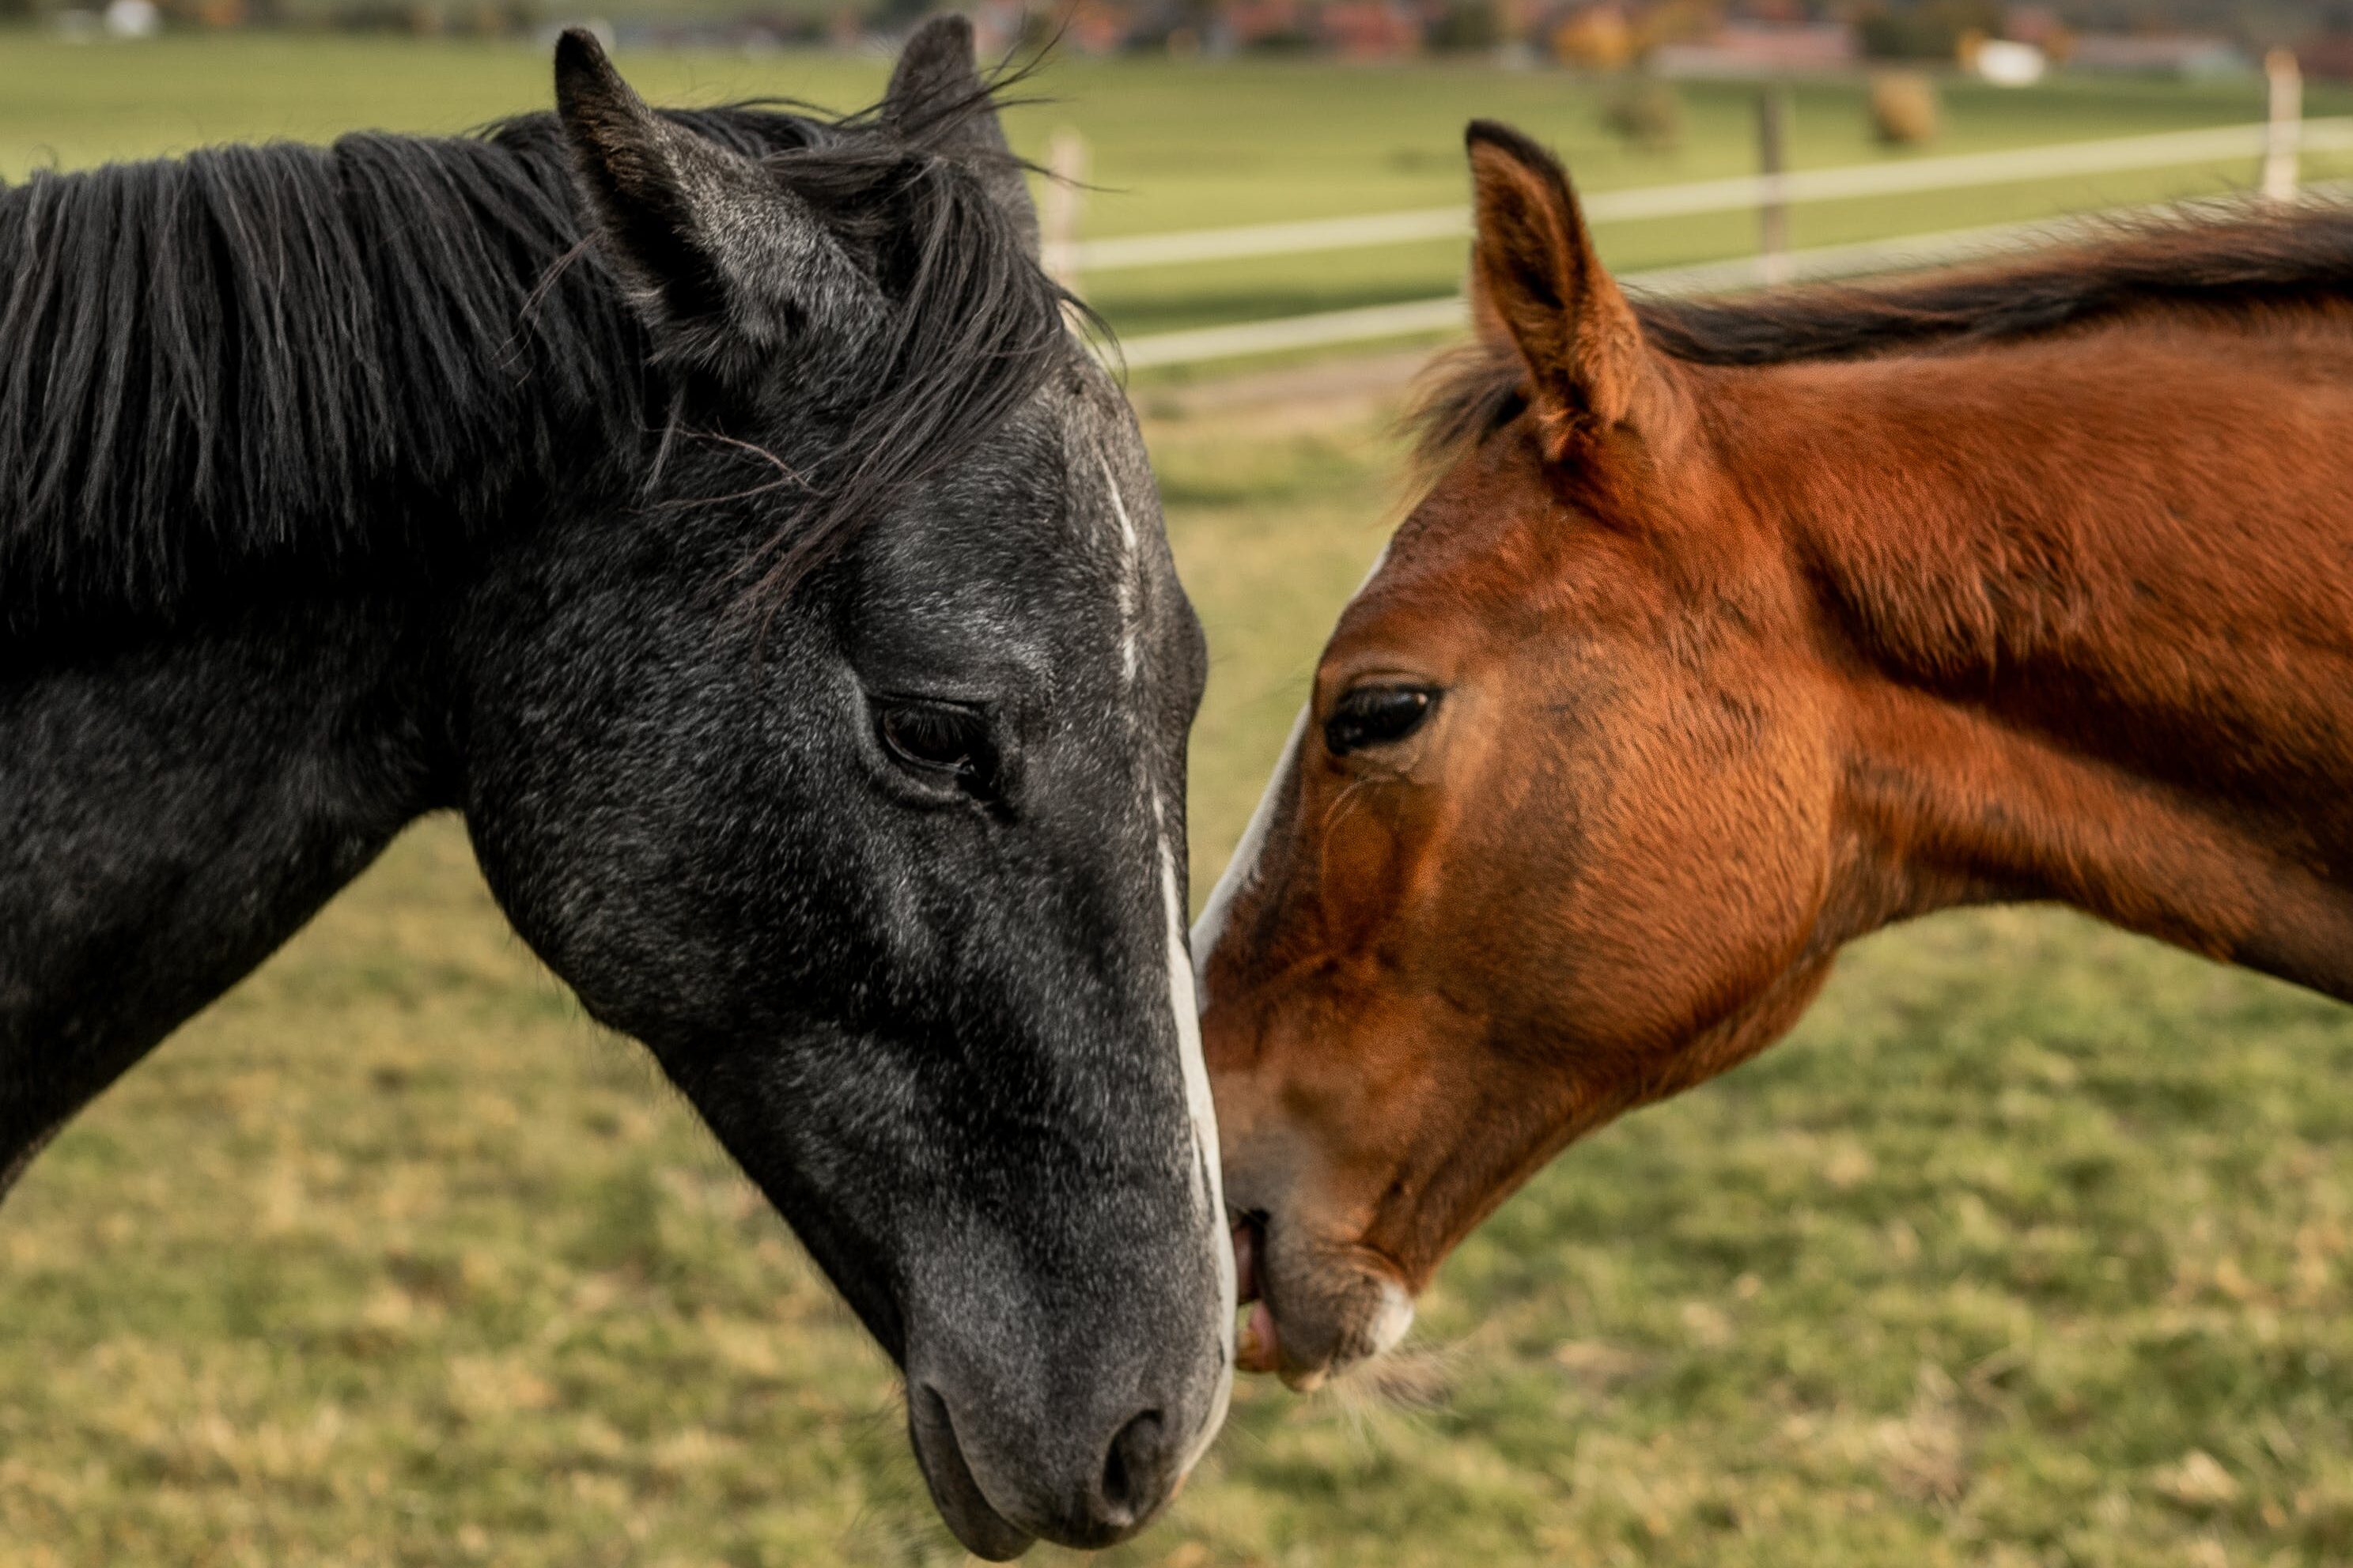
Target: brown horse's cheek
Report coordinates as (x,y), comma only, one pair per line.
(1469,1148)
(1370,842)
(1717,874)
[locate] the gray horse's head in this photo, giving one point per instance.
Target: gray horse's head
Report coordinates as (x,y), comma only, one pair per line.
(845,767)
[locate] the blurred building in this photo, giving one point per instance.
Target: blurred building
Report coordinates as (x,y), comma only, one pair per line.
(1368,29)
(1673,38)
(2188,57)
(2327,56)
(1758,48)
(1263,24)
(2006,62)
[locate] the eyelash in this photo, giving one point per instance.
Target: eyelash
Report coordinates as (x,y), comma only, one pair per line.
(1376,716)
(939,741)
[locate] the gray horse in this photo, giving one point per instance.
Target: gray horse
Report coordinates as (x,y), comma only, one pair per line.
(715,508)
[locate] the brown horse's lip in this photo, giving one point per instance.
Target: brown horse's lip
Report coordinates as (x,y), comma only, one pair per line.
(1257,1350)
(1260,1347)
(1260,1350)
(1349,1306)
(1249,1245)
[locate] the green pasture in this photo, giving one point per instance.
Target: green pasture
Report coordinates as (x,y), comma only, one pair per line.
(2034,1245)
(1174,144)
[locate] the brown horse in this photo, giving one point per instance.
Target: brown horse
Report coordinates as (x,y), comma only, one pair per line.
(1727,633)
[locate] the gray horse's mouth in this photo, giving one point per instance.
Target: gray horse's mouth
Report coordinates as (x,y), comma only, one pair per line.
(984,1532)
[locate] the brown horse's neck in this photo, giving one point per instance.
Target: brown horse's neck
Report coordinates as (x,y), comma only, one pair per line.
(2086,608)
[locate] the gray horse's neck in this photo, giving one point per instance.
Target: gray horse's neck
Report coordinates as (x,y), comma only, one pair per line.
(172,809)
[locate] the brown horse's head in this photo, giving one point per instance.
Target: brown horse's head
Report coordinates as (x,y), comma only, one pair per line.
(1551,838)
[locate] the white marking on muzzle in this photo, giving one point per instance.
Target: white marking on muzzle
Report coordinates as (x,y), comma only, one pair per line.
(1394,1318)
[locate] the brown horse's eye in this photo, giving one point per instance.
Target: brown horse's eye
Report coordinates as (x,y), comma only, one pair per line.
(1376,716)
(939,737)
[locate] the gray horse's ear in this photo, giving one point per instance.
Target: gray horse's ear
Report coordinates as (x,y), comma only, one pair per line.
(727,265)
(937,98)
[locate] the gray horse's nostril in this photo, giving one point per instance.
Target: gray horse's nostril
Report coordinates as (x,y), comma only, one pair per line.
(1136,1471)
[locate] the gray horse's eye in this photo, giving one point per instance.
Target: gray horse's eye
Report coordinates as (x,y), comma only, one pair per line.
(944,740)
(1376,716)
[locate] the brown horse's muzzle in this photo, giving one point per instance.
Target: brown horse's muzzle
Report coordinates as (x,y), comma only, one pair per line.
(1307,1130)
(1318,1305)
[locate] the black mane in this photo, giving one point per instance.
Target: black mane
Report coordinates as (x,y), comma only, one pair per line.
(293,353)
(2296,257)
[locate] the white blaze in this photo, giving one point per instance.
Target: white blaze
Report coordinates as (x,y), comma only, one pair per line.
(1131,581)
(1204,1113)
(1200,1110)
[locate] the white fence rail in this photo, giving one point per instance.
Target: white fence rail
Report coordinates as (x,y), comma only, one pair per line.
(2277,143)
(1418,317)
(2163,150)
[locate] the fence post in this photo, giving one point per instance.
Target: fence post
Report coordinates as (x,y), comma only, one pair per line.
(1066,166)
(2284,133)
(1773,204)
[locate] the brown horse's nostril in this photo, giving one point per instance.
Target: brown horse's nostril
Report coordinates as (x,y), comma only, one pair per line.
(1136,1472)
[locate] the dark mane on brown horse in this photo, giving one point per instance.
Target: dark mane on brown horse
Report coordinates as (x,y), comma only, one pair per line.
(2176,261)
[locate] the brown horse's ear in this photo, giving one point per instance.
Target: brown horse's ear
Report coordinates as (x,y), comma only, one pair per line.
(1536,283)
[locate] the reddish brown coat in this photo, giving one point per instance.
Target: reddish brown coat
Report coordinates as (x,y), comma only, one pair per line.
(2027,584)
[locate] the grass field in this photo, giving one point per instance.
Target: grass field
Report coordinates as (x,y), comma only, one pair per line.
(2033,1247)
